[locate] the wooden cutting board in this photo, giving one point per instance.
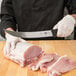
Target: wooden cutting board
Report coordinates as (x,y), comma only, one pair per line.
(9,68)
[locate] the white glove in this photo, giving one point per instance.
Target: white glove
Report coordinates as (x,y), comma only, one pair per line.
(11,43)
(65,26)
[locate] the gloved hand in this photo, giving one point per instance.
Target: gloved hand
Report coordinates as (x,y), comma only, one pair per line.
(11,43)
(65,26)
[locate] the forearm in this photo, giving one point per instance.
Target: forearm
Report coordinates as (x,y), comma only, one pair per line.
(7,17)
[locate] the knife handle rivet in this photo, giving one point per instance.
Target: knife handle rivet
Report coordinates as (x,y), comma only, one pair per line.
(45,32)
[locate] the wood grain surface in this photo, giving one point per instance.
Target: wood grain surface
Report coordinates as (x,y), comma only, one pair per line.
(9,68)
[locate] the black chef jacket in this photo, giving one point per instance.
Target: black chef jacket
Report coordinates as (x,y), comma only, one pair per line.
(33,15)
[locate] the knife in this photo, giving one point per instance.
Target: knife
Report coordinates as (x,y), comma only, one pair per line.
(37,34)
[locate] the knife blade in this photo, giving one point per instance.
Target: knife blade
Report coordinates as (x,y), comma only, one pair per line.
(37,34)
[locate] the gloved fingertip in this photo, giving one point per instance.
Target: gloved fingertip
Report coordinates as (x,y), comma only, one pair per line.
(55,27)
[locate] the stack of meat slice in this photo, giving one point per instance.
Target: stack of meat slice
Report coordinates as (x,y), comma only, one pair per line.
(53,64)
(45,61)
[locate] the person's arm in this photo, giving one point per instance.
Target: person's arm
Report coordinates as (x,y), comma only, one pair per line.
(66,25)
(7,17)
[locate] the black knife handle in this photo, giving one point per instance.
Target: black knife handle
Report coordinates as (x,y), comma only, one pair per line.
(54,33)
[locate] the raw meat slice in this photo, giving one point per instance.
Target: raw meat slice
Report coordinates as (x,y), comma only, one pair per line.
(25,53)
(44,59)
(62,65)
(44,66)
